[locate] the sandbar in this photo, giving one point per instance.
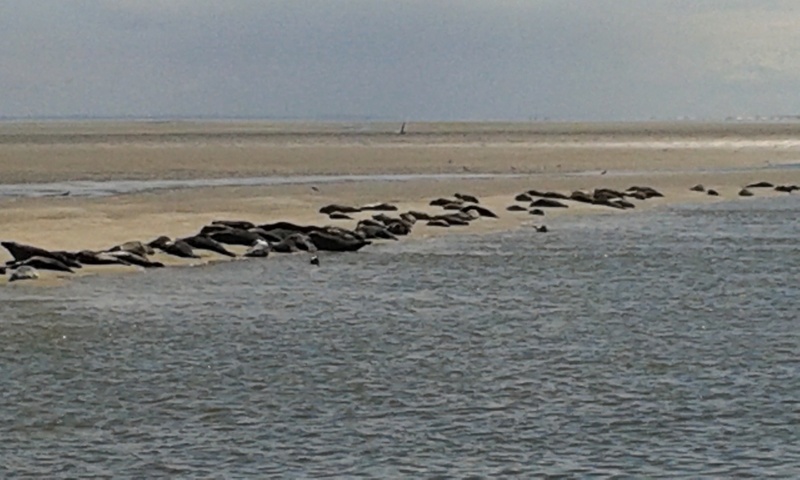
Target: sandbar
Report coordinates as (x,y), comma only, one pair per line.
(670,157)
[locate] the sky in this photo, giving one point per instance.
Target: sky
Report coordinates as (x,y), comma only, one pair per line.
(400,59)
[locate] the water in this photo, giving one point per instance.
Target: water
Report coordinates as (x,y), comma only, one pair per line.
(655,344)
(104,188)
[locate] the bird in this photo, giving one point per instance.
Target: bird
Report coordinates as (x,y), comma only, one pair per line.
(314,260)
(314,188)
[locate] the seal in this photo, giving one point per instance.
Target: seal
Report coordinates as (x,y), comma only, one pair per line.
(637,195)
(608,193)
(24,272)
(453,206)
(22,252)
(516,208)
(383,219)
(288,226)
(294,242)
(553,195)
(326,241)
(340,232)
(469,215)
(334,208)
(481,211)
(131,258)
(134,247)
(87,257)
(269,236)
(235,236)
(374,231)
(451,220)
(419,215)
(408,218)
(242,224)
(645,192)
(548,203)
(745,193)
(209,229)
(698,188)
(42,263)
(379,207)
(582,197)
(438,223)
(369,222)
(177,248)
(467,198)
(441,202)
(604,202)
(260,249)
(760,185)
(399,227)
(203,242)
(523,197)
(622,203)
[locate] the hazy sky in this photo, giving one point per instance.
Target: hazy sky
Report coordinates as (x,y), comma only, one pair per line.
(400,59)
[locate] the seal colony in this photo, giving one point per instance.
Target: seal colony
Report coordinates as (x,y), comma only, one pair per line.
(223,237)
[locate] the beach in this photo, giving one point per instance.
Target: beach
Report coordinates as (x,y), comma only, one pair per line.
(494,161)
(657,341)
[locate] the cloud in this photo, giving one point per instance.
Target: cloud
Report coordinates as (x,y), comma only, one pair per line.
(502,59)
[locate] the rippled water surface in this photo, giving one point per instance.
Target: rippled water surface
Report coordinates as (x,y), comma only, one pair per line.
(658,344)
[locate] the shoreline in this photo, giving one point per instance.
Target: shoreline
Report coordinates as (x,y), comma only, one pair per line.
(494,161)
(151,221)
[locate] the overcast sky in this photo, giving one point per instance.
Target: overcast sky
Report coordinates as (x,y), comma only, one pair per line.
(400,59)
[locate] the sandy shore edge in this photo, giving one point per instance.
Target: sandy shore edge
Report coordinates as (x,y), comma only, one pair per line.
(670,157)
(98,223)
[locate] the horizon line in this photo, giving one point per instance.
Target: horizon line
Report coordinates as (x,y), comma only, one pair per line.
(381,119)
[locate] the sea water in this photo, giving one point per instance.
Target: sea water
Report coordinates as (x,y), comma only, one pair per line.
(655,344)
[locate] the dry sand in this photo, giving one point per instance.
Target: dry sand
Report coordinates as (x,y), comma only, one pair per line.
(563,157)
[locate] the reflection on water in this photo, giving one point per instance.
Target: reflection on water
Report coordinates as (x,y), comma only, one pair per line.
(645,345)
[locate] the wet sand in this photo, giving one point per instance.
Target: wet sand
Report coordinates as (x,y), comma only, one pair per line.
(560,157)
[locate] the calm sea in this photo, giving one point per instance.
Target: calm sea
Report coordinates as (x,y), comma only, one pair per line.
(655,344)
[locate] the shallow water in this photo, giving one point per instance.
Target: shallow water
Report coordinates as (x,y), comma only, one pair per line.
(655,345)
(104,188)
